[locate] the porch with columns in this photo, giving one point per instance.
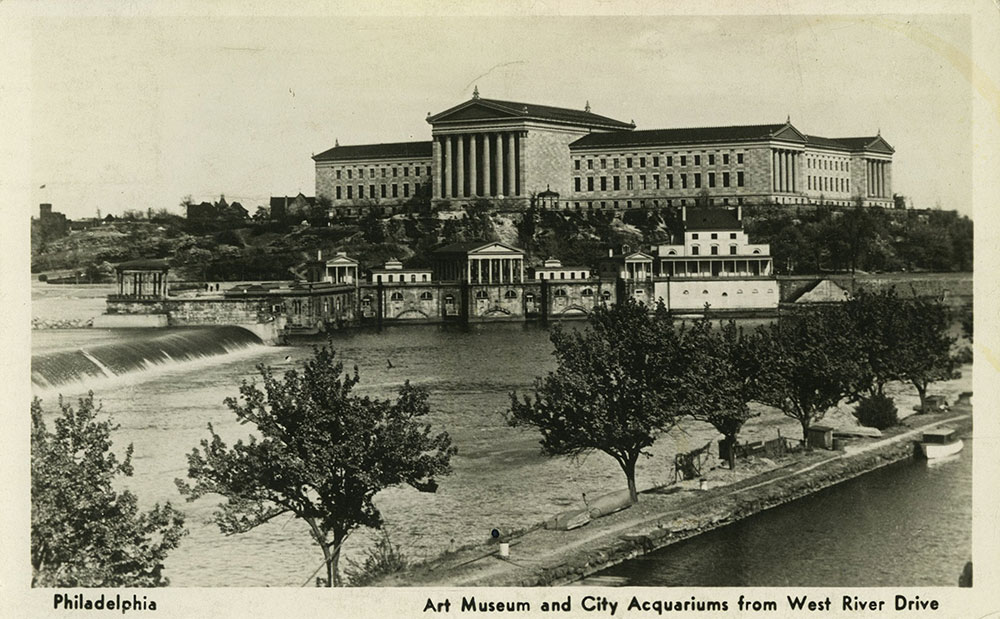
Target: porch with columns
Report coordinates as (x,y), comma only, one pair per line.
(479,164)
(784,170)
(495,270)
(875,173)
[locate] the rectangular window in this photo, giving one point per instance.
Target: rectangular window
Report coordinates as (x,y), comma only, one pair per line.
(725,158)
(670,181)
(614,162)
(576,164)
(642,162)
(732,235)
(628,162)
(642,181)
(694,236)
(350,192)
(395,190)
(604,183)
(629,182)
(739,157)
(371,173)
(338,192)
(711,179)
(590,183)
(715,236)
(349,174)
(395,171)
(697,180)
(684,160)
(739,179)
(697,159)
(656,181)
(406,190)
(694,248)
(711,160)
(732,250)
(384,171)
(590,164)
(428,170)
(338,175)
(371,191)
(725,179)
(656,162)
(670,161)
(382,190)
(616,182)
(604,164)
(576,184)
(684,181)
(406,171)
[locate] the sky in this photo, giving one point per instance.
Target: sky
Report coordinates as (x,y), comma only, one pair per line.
(138,112)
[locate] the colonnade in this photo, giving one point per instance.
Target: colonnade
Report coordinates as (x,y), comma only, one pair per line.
(478,164)
(876,173)
(142,284)
(784,170)
(495,270)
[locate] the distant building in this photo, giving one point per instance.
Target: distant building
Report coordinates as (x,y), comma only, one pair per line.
(477,262)
(393,272)
(53,223)
(576,159)
(283,207)
(340,269)
(554,269)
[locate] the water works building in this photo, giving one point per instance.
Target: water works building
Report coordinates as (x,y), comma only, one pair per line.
(576,159)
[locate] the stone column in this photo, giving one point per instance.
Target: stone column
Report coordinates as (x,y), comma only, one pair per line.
(487,166)
(511,179)
(520,265)
(489,275)
(795,165)
(499,164)
(447,167)
(881,178)
(473,189)
(774,170)
(460,166)
(437,158)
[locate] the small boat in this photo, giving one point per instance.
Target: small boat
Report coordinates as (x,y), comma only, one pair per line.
(940,443)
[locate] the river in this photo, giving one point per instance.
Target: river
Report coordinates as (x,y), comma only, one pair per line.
(165,386)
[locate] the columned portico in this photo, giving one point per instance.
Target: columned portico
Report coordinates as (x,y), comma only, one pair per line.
(784,170)
(498,171)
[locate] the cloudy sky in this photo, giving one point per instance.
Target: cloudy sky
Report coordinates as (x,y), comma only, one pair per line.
(139,111)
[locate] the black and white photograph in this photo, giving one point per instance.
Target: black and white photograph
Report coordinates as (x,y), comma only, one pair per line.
(464,309)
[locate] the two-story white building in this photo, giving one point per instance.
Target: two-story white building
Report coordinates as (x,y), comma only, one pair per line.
(716,264)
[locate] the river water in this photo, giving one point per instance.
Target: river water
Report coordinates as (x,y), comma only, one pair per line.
(906,524)
(164,401)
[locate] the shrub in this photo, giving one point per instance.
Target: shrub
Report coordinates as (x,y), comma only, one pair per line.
(878,411)
(382,559)
(43,277)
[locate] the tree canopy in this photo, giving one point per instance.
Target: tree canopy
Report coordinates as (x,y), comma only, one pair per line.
(609,392)
(322,454)
(926,354)
(84,532)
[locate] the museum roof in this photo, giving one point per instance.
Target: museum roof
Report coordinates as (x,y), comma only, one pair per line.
(649,137)
(409,150)
(529,111)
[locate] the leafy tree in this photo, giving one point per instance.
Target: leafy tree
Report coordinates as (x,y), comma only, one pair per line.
(878,321)
(808,360)
(84,533)
(322,454)
(925,355)
(719,380)
(609,390)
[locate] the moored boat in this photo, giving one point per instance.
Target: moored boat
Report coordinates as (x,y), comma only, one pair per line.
(940,443)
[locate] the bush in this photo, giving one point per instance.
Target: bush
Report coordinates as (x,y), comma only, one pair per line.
(43,277)
(382,559)
(878,411)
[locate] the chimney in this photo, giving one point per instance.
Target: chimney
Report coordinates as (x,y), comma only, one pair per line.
(684,213)
(739,213)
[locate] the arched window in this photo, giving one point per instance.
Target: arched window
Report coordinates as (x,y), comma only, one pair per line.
(413,277)
(510,294)
(694,250)
(725,294)
(739,291)
(756,251)
(606,295)
(770,291)
(687,292)
(587,292)
(704,292)
(426,296)
(560,292)
(672,252)
(715,250)
(732,250)
(396,296)
(755,291)
(481,294)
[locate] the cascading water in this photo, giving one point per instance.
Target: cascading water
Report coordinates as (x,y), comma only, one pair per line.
(135,355)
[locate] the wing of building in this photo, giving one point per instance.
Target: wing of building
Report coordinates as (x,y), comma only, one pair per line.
(575,159)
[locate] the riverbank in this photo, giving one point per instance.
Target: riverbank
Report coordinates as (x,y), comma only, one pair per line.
(668,514)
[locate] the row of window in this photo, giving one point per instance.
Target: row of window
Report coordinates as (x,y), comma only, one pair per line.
(616,162)
(642,203)
(826,164)
(482,294)
(738,291)
(401,277)
(713,235)
(630,184)
(826,183)
(383,191)
(562,275)
(384,171)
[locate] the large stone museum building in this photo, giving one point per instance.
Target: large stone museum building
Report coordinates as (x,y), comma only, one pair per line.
(576,159)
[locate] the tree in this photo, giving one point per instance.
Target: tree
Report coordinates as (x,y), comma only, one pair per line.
(808,360)
(322,454)
(719,380)
(926,350)
(84,533)
(609,390)
(879,322)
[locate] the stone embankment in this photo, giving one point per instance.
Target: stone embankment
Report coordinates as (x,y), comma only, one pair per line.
(669,514)
(62,323)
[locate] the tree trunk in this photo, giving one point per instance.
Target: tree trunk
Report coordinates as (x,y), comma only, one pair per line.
(731,447)
(629,467)
(332,569)
(805,430)
(922,392)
